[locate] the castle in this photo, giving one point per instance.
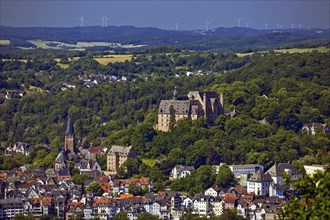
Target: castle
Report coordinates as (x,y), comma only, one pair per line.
(195,105)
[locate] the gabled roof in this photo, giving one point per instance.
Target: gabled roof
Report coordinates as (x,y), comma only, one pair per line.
(278,169)
(62,157)
(260,177)
(121,150)
(64,172)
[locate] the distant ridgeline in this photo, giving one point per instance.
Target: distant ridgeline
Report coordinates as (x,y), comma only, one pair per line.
(195,105)
(224,39)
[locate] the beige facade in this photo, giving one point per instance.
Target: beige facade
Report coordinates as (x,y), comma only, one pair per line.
(195,105)
(117,155)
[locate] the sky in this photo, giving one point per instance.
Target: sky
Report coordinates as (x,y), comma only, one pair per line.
(190,15)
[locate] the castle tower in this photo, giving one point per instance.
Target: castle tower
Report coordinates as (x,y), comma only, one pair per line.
(69,137)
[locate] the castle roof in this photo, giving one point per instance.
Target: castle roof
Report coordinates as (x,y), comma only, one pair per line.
(180,106)
(69,128)
(121,150)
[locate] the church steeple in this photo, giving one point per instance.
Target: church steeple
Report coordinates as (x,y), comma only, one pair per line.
(69,137)
(69,128)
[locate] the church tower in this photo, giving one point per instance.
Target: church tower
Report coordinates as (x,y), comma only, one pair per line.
(69,137)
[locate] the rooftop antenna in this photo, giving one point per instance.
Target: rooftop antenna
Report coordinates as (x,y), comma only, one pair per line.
(266,26)
(102,19)
(207,25)
(176,26)
(81,21)
(238,22)
(106,19)
(247,25)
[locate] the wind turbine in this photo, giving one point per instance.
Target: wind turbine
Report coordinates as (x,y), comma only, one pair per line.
(207,25)
(102,19)
(238,22)
(266,26)
(106,19)
(176,26)
(81,21)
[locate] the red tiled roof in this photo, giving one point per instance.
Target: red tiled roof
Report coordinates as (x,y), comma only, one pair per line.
(229,198)
(103,200)
(94,150)
(126,196)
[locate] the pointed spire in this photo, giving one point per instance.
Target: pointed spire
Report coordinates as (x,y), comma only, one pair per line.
(69,128)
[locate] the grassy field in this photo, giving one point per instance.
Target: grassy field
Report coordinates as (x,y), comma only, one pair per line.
(63,66)
(291,50)
(149,162)
(113,59)
(24,61)
(5,42)
(304,50)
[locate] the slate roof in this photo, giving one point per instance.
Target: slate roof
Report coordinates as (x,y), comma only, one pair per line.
(261,177)
(121,150)
(69,128)
(181,107)
(62,157)
(64,172)
(277,169)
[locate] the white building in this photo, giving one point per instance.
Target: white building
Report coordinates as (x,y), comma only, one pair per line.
(277,169)
(201,205)
(312,169)
(245,169)
(212,191)
(259,183)
(180,171)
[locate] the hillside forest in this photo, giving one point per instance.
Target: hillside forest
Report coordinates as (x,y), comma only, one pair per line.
(285,90)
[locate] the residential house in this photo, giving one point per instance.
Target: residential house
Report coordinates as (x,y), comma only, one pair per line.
(19,147)
(230,200)
(10,207)
(212,191)
(312,128)
(180,171)
(277,169)
(201,205)
(217,205)
(259,183)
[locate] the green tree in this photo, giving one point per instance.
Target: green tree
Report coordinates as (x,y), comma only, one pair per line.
(225,177)
(120,216)
(80,179)
(314,200)
(94,187)
(147,216)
